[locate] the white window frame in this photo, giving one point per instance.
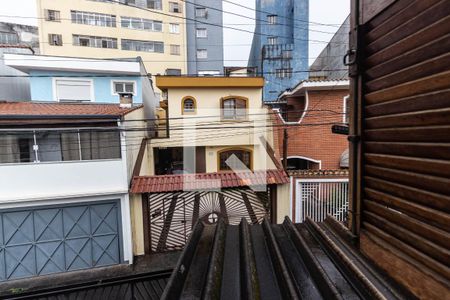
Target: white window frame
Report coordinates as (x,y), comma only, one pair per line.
(174,25)
(346,116)
(272,19)
(202,50)
(172,5)
(114,81)
(175,46)
(205,30)
(55,90)
(201,9)
(272,40)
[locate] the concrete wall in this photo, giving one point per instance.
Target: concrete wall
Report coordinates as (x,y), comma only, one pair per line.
(213,43)
(283,202)
(13,88)
(154,62)
(292,33)
(42,88)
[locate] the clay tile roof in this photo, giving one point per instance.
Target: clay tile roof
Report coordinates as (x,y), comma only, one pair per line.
(42,109)
(205,181)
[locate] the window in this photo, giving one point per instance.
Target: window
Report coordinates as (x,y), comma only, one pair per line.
(272,19)
(55,39)
(153,4)
(174,28)
(52,15)
(173,72)
(9,38)
(188,105)
(202,33)
(200,12)
(208,73)
(120,87)
(286,54)
(234,108)
(141,24)
(273,40)
(94,19)
(48,146)
(144,46)
(283,73)
(78,90)
(94,41)
(202,53)
(346,109)
(174,7)
(175,49)
(244,157)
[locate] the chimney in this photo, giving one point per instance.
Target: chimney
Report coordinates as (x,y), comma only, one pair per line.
(126,100)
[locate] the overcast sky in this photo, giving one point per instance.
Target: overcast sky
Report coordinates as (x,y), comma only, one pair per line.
(237,44)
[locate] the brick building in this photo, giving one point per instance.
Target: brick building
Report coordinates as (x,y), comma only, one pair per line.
(309,110)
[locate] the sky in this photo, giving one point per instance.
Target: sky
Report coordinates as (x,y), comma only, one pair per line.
(236,43)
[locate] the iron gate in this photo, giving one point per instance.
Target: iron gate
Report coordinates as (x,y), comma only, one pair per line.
(172,215)
(317,198)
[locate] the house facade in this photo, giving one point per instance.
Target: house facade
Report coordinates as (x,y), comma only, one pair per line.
(64,171)
(280,44)
(71,79)
(217,161)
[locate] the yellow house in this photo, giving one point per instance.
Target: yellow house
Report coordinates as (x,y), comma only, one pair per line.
(109,29)
(216,160)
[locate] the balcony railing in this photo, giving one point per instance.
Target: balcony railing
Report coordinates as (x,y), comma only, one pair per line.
(280,51)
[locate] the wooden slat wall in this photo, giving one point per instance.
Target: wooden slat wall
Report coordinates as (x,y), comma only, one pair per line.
(405,133)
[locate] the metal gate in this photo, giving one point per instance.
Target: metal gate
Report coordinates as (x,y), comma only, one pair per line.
(172,215)
(317,198)
(53,239)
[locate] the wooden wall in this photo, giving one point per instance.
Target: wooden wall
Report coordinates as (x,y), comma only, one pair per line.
(403,103)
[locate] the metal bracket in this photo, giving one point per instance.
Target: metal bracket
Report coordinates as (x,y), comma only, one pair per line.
(350,52)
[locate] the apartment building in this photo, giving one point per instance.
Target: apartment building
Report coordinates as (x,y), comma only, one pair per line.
(280,44)
(152,29)
(204,37)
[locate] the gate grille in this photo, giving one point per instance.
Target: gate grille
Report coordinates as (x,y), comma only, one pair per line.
(172,215)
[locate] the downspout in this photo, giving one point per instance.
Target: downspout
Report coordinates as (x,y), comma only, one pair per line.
(355,128)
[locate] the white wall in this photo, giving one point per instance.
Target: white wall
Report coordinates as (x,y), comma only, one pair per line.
(61,180)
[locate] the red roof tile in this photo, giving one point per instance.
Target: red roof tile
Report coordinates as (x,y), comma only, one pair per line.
(205,181)
(33,109)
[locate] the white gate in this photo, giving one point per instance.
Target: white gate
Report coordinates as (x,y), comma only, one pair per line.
(317,198)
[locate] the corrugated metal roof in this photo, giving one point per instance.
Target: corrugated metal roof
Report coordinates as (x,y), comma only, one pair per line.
(42,109)
(276,261)
(205,181)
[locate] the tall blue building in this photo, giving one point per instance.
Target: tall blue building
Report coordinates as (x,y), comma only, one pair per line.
(280,44)
(204,41)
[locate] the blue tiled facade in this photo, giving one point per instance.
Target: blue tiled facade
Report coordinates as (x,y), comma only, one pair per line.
(213,43)
(280,50)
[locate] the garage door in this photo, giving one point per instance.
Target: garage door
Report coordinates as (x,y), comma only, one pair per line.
(51,239)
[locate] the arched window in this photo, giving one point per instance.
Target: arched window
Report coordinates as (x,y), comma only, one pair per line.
(302,163)
(188,105)
(244,159)
(234,108)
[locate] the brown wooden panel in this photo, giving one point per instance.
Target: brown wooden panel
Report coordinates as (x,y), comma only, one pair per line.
(427,150)
(434,100)
(425,68)
(432,49)
(429,183)
(400,18)
(371,8)
(437,134)
(412,194)
(416,241)
(424,118)
(416,40)
(394,9)
(427,266)
(411,22)
(424,85)
(200,159)
(420,212)
(430,233)
(420,165)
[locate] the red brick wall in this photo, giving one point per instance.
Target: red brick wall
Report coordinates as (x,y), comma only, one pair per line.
(317,142)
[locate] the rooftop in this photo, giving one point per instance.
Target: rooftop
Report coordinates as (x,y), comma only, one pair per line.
(24,110)
(205,181)
(165,82)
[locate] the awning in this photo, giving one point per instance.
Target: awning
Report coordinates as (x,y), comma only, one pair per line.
(205,181)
